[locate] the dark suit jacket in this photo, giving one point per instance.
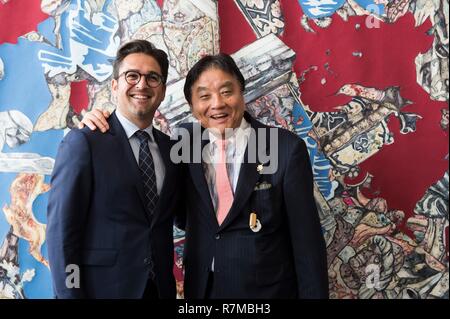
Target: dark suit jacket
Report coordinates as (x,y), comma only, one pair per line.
(97,218)
(286,258)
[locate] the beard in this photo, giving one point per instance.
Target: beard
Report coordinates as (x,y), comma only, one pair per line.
(142,113)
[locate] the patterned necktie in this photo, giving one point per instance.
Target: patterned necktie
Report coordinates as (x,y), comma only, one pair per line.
(147,169)
(223,186)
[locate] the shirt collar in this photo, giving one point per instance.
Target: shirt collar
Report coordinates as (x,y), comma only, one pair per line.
(130,128)
(237,142)
(241,132)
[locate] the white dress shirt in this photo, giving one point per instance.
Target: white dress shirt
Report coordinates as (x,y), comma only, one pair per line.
(130,128)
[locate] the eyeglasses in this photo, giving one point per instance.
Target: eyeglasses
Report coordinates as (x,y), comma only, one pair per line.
(153,79)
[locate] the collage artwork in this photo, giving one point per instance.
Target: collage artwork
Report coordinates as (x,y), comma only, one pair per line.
(365,83)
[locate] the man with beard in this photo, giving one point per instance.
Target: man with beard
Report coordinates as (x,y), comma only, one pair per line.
(114,195)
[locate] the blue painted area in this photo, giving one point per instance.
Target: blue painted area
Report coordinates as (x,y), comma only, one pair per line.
(46,29)
(320,8)
(44,143)
(40,286)
(371,6)
(24,88)
(325,8)
(320,164)
(88,41)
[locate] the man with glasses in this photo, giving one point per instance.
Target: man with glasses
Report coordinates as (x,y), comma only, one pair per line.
(114,195)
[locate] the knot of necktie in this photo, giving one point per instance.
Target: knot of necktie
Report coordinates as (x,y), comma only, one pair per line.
(221,145)
(142,136)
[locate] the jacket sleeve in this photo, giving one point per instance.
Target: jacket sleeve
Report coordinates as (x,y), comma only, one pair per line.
(68,205)
(183,174)
(304,225)
(180,211)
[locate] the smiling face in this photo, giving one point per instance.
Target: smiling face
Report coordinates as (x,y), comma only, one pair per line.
(217,100)
(138,102)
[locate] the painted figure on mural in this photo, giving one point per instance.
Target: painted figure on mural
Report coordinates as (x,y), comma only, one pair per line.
(185,29)
(16,129)
(376,247)
(11,284)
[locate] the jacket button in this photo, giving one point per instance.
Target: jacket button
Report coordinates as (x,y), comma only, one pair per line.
(217,236)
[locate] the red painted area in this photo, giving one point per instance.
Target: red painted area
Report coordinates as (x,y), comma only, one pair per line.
(160,3)
(404,170)
(19,17)
(388,54)
(235,32)
(79,98)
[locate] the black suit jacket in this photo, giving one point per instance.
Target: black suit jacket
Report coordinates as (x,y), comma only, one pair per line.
(97,218)
(286,258)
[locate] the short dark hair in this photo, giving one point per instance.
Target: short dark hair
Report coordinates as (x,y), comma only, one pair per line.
(220,61)
(141,46)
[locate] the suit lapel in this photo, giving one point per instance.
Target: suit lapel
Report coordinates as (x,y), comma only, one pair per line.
(130,161)
(198,176)
(248,176)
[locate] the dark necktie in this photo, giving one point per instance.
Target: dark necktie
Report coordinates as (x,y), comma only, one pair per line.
(147,169)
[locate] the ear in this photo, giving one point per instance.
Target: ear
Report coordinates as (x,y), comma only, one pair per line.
(114,88)
(114,85)
(193,111)
(164,92)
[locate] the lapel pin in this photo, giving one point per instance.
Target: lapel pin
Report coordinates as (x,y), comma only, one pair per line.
(254,223)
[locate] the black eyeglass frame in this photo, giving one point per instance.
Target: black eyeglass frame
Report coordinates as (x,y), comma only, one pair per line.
(157,77)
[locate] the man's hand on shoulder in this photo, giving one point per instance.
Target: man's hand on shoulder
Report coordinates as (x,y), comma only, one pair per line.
(95,119)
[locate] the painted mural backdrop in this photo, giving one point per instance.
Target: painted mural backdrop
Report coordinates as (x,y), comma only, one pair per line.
(363,83)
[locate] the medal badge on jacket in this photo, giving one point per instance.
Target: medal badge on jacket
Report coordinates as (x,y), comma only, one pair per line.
(254,223)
